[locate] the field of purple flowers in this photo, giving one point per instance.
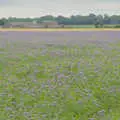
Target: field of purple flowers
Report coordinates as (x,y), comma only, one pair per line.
(40,81)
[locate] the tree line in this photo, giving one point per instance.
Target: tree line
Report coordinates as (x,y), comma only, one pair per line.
(97,20)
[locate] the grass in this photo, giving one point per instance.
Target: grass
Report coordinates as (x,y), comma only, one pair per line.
(53,82)
(80,26)
(91,26)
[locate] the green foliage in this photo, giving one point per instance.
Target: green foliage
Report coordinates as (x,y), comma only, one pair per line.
(90,19)
(117,26)
(2,22)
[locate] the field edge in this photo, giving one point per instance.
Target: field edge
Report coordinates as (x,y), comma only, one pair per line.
(59,29)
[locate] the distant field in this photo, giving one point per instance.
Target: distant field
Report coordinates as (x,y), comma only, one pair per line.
(60,29)
(66,28)
(80,26)
(86,26)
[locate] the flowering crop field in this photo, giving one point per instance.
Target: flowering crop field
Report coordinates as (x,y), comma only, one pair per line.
(60,75)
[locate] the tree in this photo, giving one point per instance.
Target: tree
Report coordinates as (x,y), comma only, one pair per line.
(99,21)
(106,19)
(1,22)
(62,20)
(115,19)
(47,17)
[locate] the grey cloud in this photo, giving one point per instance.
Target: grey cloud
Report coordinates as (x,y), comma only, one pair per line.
(28,8)
(40,2)
(7,2)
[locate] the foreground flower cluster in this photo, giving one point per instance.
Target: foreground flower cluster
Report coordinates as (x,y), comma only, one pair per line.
(56,82)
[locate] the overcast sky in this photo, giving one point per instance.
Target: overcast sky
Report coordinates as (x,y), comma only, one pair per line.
(37,8)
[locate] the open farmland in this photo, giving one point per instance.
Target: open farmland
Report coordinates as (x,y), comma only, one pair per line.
(72,75)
